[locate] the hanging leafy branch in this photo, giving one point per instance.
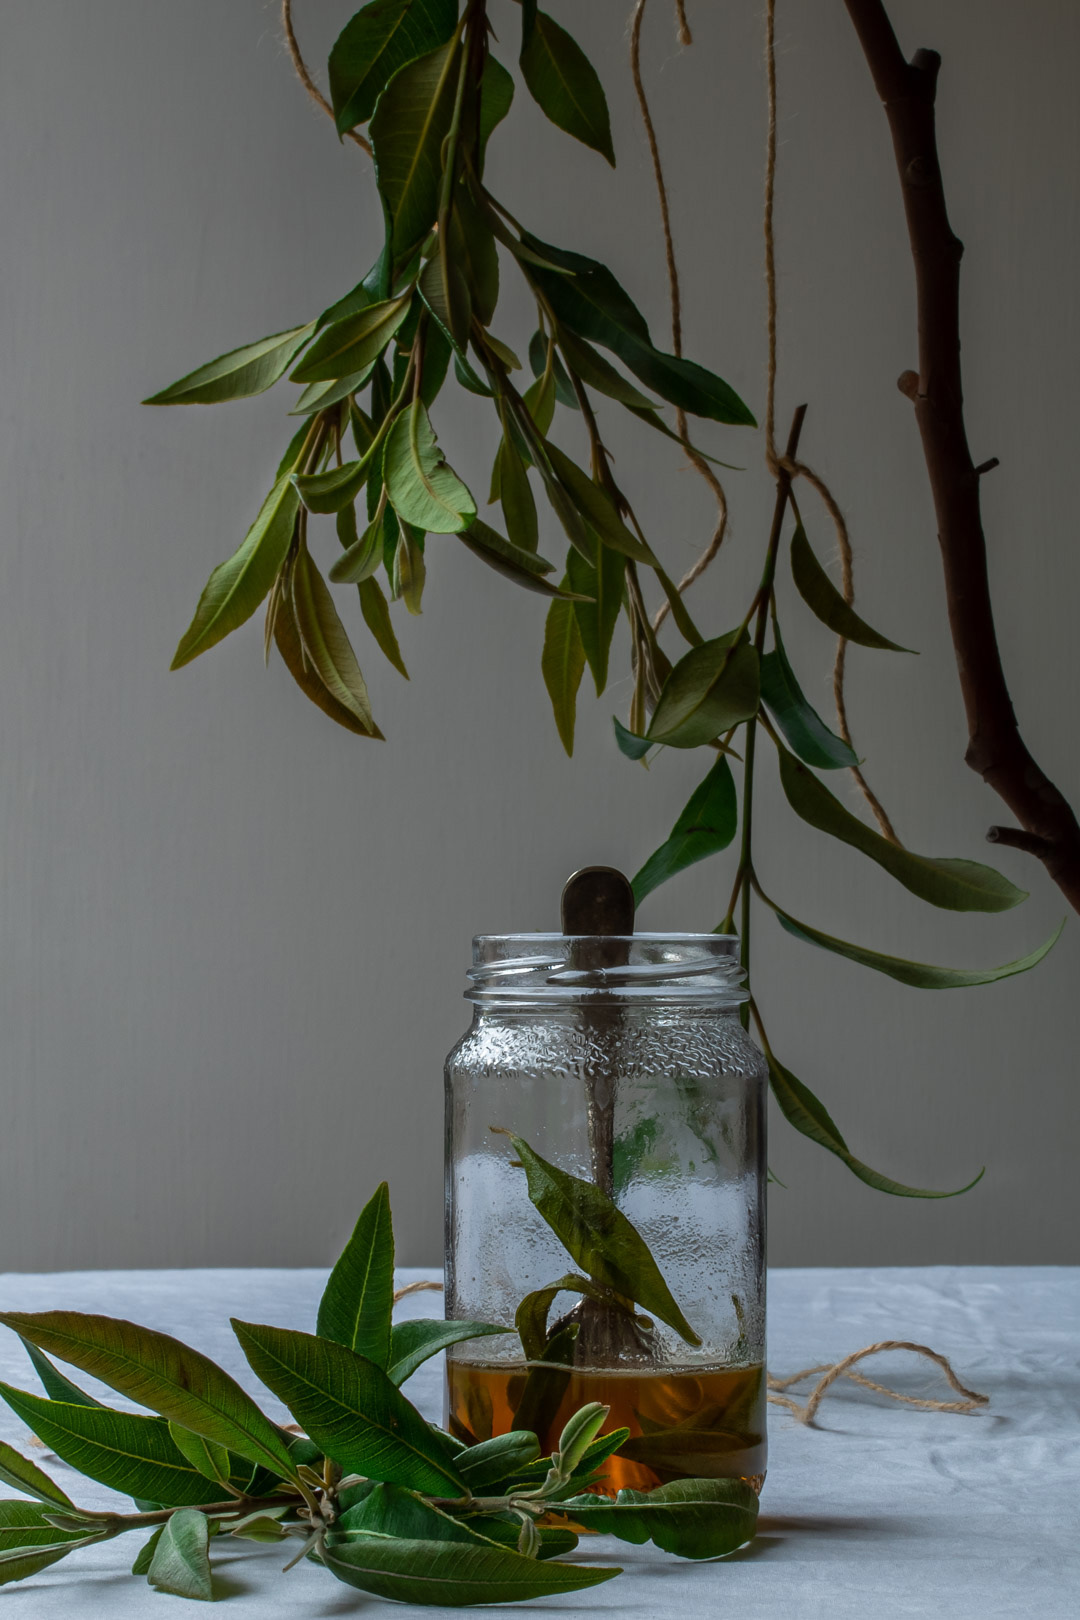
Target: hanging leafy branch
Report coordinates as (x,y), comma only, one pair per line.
(369,1490)
(419,83)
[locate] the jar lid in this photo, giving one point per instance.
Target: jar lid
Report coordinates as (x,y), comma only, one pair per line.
(567,969)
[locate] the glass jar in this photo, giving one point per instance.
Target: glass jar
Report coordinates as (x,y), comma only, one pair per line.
(605,1131)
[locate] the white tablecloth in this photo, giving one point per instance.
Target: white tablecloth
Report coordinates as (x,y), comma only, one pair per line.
(879,1511)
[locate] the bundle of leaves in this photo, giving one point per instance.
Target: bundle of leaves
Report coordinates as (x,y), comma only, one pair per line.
(376,1495)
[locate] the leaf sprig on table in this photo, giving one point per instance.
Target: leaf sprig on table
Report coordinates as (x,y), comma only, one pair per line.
(422,76)
(366,1487)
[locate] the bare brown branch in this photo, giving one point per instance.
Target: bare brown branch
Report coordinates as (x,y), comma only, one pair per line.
(996,750)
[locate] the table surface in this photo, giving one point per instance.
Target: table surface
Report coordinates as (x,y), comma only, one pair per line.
(879,1510)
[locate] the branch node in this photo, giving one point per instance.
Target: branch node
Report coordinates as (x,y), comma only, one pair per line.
(987,466)
(927,63)
(908,384)
(1017,838)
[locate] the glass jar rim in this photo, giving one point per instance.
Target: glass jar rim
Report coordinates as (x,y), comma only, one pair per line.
(644,969)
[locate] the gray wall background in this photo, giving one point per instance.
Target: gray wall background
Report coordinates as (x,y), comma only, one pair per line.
(232,938)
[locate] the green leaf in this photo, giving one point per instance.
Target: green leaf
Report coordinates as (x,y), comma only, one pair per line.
(453,1573)
(596,507)
(445,291)
(239,374)
(600,1238)
(518,504)
(319,396)
(376,611)
(28,1543)
(124,1450)
(410,569)
(808,1114)
(496,97)
(806,732)
(523,567)
(422,488)
(410,124)
(325,643)
(358,1300)
(547,1383)
(287,638)
(181,1560)
(468,378)
(538,359)
(692,1518)
(531,1316)
(596,619)
(528,21)
(363,553)
(578,1435)
(381,38)
(599,373)
(498,1462)
(205,1456)
(591,303)
(628,742)
(472,246)
(350,1407)
(238,585)
(712,688)
(158,1371)
(563,664)
(27,1476)
(388,1510)
(412,1343)
(333,491)
(354,343)
(705,826)
(564,83)
(918,974)
(955,885)
(145,1556)
(822,598)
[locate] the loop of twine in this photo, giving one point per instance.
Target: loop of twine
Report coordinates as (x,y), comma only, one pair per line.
(304,75)
(972,1401)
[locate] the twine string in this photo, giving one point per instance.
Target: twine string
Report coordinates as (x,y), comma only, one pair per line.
(972,1401)
(304,75)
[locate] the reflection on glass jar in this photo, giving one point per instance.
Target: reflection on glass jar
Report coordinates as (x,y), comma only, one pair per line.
(605,1200)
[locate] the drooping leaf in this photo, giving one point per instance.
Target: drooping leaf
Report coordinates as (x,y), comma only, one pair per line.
(158,1371)
(349,1406)
(446,293)
(565,85)
(807,734)
(808,1114)
(130,1453)
(412,1343)
(333,491)
(180,1562)
(358,1300)
(472,245)
(712,688)
(374,607)
(378,40)
(823,599)
(325,643)
(592,305)
(145,1555)
(538,359)
(27,1476)
(518,503)
(523,567)
(918,974)
(353,343)
(287,640)
(596,507)
(955,885)
(599,373)
(600,1238)
(363,553)
(205,1456)
(496,97)
(409,126)
(706,825)
(410,569)
(531,1316)
(562,664)
(453,1573)
(692,1518)
(237,586)
(422,487)
(239,374)
(596,619)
